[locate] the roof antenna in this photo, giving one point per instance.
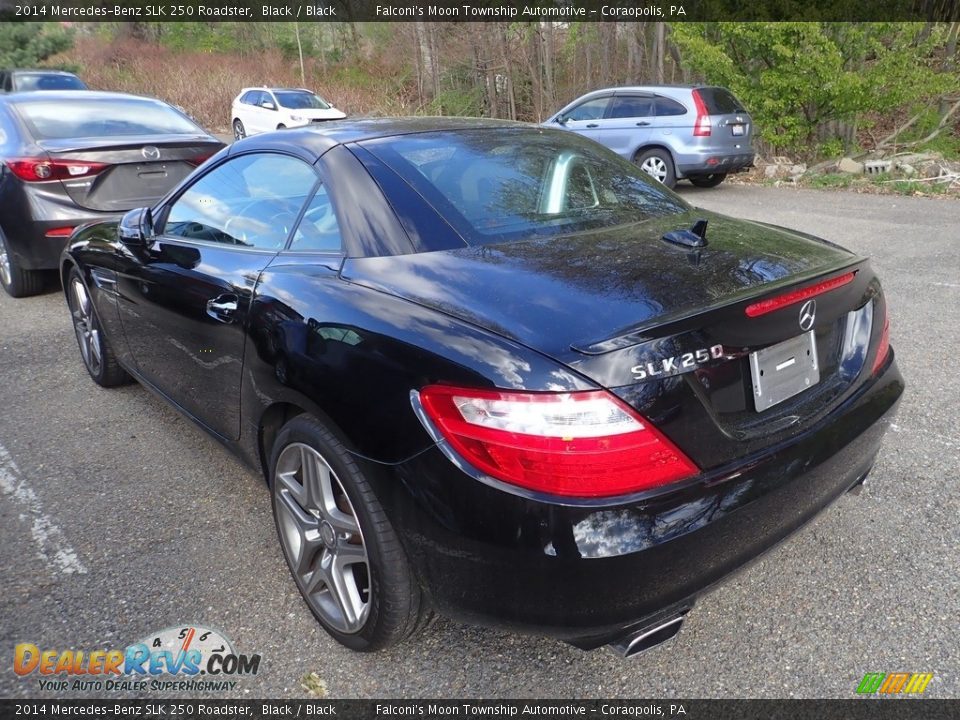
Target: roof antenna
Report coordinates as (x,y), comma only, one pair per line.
(695,237)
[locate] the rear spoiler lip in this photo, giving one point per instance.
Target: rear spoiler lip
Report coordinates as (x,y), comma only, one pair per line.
(639,333)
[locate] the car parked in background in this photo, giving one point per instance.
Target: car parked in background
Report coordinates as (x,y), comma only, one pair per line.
(258,110)
(672,132)
(492,370)
(41,79)
(67,158)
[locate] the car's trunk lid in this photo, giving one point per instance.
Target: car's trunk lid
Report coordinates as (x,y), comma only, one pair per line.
(139,170)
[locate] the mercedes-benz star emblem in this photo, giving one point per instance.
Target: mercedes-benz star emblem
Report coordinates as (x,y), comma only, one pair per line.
(150,153)
(808,314)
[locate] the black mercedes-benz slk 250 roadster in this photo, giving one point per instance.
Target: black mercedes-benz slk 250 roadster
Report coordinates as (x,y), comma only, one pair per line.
(493,370)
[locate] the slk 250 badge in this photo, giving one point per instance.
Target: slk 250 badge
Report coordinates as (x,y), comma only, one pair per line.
(677,364)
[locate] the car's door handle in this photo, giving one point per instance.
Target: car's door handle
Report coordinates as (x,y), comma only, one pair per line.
(222,307)
(592,125)
(642,123)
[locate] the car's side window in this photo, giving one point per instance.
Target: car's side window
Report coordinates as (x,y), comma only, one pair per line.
(590,110)
(319,229)
(267,99)
(631,106)
(252,201)
(249,98)
(666,107)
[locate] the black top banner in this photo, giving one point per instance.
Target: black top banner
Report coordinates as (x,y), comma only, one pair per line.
(79,11)
(188,709)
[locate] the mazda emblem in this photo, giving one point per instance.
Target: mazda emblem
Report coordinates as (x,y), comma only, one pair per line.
(808,314)
(150,153)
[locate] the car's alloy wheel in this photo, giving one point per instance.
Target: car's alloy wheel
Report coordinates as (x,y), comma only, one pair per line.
(659,165)
(16,281)
(341,548)
(97,356)
(239,131)
(5,269)
(321,538)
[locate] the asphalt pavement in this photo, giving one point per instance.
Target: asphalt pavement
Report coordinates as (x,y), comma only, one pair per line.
(119,518)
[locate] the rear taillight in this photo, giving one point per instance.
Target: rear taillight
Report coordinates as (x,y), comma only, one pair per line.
(582,444)
(198,160)
(40,169)
(794,296)
(883,347)
(701,127)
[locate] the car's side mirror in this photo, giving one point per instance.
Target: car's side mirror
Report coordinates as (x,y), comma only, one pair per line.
(136,228)
(560,120)
(267,105)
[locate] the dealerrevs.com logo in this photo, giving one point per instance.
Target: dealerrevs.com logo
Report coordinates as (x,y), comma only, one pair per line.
(190,658)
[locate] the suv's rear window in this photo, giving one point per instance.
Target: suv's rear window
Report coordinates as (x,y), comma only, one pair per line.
(508,184)
(47,81)
(102,117)
(720,101)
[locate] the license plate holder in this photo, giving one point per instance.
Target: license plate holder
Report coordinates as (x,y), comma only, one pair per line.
(783,370)
(737,130)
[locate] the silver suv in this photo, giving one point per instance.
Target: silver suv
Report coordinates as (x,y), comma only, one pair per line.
(671,131)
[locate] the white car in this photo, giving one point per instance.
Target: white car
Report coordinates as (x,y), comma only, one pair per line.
(257,110)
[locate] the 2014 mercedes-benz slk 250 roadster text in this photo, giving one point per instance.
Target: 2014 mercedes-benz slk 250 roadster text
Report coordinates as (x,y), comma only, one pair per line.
(493,370)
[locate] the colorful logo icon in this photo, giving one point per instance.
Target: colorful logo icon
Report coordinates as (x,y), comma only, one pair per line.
(894,683)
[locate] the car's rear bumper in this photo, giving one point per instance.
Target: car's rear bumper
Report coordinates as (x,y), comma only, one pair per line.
(713,163)
(29,214)
(589,574)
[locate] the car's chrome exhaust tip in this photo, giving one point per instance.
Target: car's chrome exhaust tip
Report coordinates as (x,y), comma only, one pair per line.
(639,641)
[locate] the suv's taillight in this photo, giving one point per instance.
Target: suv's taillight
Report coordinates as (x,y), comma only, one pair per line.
(41,169)
(883,347)
(701,127)
(581,444)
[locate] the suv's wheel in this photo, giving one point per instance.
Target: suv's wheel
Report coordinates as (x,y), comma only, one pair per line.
(342,550)
(658,164)
(239,131)
(708,181)
(97,356)
(15,280)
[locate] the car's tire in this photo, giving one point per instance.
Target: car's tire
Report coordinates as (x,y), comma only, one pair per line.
(707,181)
(239,131)
(658,164)
(16,281)
(95,351)
(342,551)
(281,126)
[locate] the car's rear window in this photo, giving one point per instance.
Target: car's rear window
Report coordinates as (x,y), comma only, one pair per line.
(496,185)
(102,117)
(47,81)
(720,101)
(301,100)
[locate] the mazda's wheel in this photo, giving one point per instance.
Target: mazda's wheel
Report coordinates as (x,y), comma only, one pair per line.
(658,164)
(239,131)
(16,281)
(342,550)
(97,356)
(708,181)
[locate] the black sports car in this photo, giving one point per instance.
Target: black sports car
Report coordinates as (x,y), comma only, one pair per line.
(493,370)
(72,157)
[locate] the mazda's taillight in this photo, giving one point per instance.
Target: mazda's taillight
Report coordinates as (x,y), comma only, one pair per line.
(40,169)
(581,444)
(701,127)
(883,347)
(198,160)
(59,232)
(794,296)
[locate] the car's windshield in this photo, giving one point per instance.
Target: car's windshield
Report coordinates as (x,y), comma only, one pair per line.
(102,117)
(47,81)
(299,100)
(501,184)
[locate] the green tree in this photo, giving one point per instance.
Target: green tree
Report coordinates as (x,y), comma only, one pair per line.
(29,44)
(807,83)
